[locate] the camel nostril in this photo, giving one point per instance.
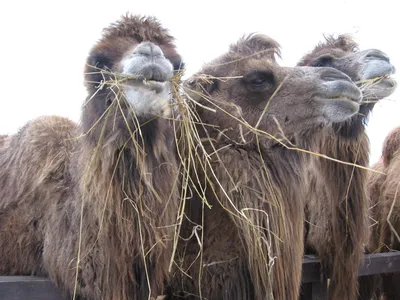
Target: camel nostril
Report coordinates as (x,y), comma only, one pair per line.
(330,74)
(148,49)
(377,55)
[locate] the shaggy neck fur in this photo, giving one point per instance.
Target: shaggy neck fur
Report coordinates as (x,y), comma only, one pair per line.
(251,240)
(339,211)
(127,206)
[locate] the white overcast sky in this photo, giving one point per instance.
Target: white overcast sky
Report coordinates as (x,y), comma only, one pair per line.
(44,44)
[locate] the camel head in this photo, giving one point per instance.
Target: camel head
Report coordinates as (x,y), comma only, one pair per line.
(370,69)
(250,85)
(128,76)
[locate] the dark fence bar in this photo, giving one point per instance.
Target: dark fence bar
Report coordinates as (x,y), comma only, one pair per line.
(27,288)
(314,283)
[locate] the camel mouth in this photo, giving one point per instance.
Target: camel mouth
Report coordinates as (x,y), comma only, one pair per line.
(346,103)
(151,76)
(338,110)
(343,98)
(145,84)
(386,82)
(339,100)
(386,79)
(150,72)
(341,90)
(376,71)
(378,87)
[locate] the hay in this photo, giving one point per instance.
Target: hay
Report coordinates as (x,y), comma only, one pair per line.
(193,159)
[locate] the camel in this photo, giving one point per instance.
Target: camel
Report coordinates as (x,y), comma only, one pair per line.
(336,202)
(383,186)
(242,237)
(93,205)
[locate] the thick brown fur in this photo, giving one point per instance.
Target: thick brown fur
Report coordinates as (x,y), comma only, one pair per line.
(391,146)
(336,202)
(331,45)
(384,191)
(249,244)
(93,205)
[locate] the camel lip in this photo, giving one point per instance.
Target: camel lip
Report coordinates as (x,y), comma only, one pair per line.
(376,78)
(343,98)
(350,103)
(151,85)
(374,71)
(142,80)
(350,97)
(379,89)
(339,109)
(340,90)
(386,81)
(149,72)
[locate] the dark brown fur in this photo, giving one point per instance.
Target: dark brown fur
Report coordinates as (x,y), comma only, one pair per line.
(249,244)
(384,191)
(86,196)
(336,203)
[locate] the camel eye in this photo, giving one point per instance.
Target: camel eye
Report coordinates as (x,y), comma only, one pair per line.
(258,80)
(323,61)
(99,61)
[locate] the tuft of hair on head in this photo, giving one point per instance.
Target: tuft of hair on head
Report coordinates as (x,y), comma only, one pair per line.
(256,44)
(391,145)
(141,28)
(342,42)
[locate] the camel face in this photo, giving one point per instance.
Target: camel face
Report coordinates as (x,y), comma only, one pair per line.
(297,99)
(148,92)
(371,69)
(128,76)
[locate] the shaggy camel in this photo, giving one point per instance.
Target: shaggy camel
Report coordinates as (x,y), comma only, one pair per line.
(384,192)
(336,202)
(249,245)
(92,205)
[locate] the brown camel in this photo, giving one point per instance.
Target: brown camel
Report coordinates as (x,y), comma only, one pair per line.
(249,245)
(93,205)
(384,190)
(336,202)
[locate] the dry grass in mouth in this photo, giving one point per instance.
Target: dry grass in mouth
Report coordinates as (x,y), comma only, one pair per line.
(366,84)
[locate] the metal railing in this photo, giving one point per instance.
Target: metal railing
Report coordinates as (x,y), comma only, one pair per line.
(314,283)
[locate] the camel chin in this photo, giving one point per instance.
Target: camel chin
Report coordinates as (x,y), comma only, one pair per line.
(149,98)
